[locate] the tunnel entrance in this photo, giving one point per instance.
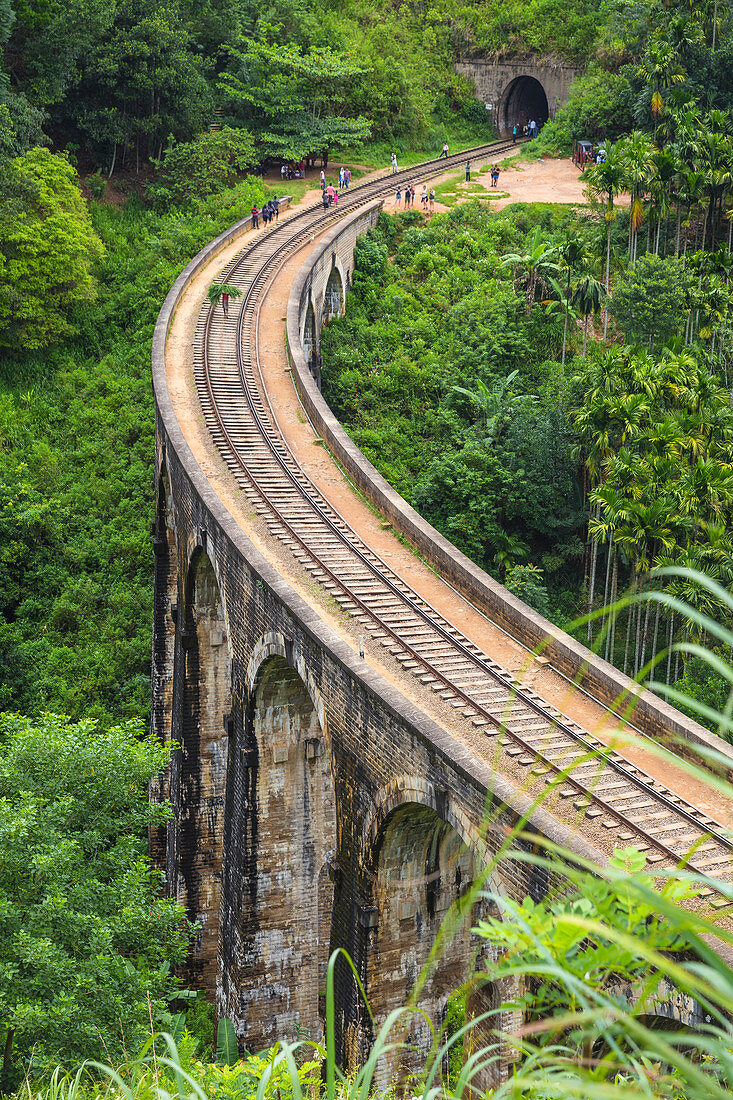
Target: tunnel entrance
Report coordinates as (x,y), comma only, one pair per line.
(524,99)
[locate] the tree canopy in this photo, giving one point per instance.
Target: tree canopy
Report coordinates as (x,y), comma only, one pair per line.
(296,100)
(48,249)
(85,936)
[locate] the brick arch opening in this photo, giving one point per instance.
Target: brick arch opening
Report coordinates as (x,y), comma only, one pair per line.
(422,867)
(165,610)
(522,100)
(334,295)
(278,903)
(310,337)
(200,794)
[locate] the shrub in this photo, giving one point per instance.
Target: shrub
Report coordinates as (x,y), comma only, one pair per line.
(206,165)
(649,300)
(48,249)
(526,582)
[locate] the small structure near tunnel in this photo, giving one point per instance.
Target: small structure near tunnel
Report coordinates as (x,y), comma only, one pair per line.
(516,91)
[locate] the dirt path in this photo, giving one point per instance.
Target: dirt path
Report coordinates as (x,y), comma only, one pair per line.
(329,479)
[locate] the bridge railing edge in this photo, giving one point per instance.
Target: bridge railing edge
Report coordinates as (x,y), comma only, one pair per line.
(652,715)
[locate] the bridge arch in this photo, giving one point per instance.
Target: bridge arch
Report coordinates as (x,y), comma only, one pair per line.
(421,866)
(406,789)
(524,98)
(282,827)
(166,600)
(310,336)
(201,765)
(334,295)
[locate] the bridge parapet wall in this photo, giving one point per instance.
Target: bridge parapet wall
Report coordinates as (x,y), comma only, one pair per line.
(323,292)
(599,678)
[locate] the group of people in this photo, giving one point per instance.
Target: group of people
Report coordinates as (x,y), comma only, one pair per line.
(293,171)
(427,197)
(270,212)
(329,195)
(494,174)
(329,192)
(530,130)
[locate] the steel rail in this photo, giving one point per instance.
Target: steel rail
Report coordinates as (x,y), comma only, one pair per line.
(381,571)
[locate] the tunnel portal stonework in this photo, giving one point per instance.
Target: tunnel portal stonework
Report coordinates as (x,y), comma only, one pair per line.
(514,91)
(314,806)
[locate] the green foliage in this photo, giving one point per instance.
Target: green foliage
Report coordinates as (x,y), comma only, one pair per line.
(216,292)
(47,251)
(656,435)
(205,166)
(554,140)
(86,936)
(455,1020)
(649,300)
(700,684)
(199,1022)
(437,368)
(526,582)
(518,27)
(76,483)
(295,99)
(123,72)
(226,1043)
(600,106)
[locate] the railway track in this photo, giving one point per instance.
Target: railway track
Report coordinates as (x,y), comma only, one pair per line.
(602,785)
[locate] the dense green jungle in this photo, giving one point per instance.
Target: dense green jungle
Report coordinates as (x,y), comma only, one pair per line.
(550,386)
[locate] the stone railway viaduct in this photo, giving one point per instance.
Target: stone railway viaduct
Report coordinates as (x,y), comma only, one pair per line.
(316,805)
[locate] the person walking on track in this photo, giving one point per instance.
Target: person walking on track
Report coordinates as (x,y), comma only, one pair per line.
(445,151)
(225,303)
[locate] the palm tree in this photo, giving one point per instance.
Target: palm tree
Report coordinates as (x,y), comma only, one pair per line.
(636,155)
(661,71)
(606,180)
(572,251)
(538,262)
(587,296)
(716,164)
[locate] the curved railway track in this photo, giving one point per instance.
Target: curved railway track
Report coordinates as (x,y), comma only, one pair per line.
(604,786)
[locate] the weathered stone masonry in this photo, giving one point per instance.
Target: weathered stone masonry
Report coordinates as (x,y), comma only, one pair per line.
(514,90)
